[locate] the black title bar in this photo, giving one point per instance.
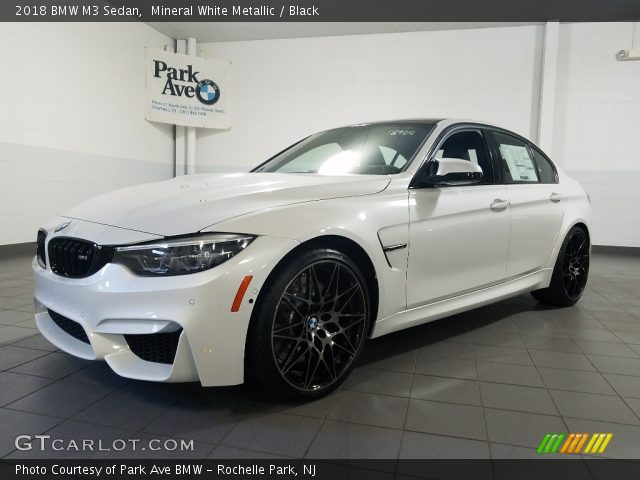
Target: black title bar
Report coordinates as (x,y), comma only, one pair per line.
(318,10)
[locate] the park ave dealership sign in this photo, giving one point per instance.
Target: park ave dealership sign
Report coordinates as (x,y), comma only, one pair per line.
(186,90)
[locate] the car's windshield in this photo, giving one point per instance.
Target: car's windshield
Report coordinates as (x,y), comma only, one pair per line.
(377,149)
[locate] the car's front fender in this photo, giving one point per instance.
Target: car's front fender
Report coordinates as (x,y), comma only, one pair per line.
(364,220)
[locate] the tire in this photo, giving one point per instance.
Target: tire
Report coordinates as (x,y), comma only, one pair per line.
(309,325)
(570,272)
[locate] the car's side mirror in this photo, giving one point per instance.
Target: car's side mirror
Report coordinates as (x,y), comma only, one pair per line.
(449,172)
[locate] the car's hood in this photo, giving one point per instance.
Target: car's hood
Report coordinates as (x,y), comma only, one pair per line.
(191,203)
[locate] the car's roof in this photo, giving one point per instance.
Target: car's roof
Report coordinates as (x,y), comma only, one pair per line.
(449,121)
(402,120)
(445,122)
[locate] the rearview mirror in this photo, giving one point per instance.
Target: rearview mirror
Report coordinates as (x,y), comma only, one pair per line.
(449,172)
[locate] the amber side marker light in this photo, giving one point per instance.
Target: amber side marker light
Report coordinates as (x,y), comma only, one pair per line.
(242,289)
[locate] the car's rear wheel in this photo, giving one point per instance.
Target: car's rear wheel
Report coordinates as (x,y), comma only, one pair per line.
(309,326)
(570,273)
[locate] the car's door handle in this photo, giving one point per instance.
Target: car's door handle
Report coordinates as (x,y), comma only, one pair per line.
(555,197)
(499,204)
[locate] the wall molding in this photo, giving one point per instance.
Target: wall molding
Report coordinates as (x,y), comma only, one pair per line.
(613,250)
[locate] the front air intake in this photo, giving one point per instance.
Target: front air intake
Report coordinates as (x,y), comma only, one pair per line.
(69,326)
(155,347)
(40,251)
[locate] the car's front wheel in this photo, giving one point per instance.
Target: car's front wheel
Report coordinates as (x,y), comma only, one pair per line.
(570,273)
(309,326)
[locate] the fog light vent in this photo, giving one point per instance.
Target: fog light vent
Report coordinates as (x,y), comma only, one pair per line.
(155,347)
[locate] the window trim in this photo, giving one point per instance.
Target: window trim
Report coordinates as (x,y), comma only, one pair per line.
(442,137)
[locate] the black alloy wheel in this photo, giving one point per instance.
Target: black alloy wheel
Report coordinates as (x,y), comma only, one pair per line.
(318,325)
(575,267)
(309,326)
(570,273)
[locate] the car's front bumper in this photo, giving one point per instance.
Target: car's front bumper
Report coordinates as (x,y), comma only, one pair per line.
(114,303)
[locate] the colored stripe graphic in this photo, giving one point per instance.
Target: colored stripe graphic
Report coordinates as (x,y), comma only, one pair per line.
(605,443)
(556,445)
(596,446)
(543,443)
(550,443)
(591,442)
(568,442)
(581,442)
(573,443)
(598,443)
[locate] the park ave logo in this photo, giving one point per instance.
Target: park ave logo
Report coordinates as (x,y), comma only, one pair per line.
(186,89)
(184,82)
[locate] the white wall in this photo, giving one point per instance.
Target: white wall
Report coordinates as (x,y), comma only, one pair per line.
(72,122)
(73,114)
(597,125)
(286,89)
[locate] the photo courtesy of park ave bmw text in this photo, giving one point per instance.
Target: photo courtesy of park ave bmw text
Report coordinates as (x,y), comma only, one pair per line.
(318,239)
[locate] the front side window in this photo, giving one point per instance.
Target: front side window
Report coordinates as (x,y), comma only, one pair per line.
(378,149)
(468,145)
(516,163)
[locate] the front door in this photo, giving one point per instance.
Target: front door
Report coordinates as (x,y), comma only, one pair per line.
(458,235)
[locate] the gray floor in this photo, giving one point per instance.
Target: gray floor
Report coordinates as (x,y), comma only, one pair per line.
(488,383)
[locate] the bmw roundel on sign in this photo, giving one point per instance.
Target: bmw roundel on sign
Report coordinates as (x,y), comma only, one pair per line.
(208,92)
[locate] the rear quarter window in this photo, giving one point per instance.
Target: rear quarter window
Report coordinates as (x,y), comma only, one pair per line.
(546,170)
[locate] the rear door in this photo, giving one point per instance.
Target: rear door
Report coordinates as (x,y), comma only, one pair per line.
(536,206)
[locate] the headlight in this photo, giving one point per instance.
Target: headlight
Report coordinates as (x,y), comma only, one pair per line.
(181,256)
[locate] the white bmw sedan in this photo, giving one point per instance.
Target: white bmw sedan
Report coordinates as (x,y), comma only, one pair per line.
(281,274)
